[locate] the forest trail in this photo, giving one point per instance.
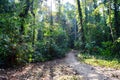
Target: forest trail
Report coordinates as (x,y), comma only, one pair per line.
(91,72)
(67,68)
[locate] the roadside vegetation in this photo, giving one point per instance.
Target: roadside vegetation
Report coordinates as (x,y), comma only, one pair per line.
(100,60)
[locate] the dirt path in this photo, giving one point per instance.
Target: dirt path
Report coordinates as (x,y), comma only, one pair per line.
(91,72)
(61,69)
(85,70)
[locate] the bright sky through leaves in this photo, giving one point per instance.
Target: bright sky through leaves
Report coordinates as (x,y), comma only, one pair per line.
(62,1)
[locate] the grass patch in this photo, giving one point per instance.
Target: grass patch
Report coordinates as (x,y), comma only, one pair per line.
(99,60)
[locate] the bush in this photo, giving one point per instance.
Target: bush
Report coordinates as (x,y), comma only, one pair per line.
(51,46)
(107,48)
(13,52)
(116,47)
(77,44)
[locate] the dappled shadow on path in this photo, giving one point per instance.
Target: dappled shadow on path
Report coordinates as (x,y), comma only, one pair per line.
(50,70)
(87,71)
(57,69)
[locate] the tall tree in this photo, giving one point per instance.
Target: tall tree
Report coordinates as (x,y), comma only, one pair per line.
(51,17)
(86,11)
(81,24)
(95,6)
(24,14)
(110,20)
(116,21)
(59,10)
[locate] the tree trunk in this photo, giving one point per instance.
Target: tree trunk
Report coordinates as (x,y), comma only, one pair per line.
(81,24)
(86,13)
(33,28)
(110,23)
(95,6)
(117,28)
(51,17)
(104,15)
(24,14)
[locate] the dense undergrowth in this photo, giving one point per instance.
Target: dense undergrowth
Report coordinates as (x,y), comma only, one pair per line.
(30,31)
(100,60)
(48,48)
(105,55)
(25,37)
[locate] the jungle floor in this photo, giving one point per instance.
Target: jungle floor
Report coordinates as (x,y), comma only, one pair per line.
(68,68)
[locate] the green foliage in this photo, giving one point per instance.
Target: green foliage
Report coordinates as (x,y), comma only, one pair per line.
(107,48)
(14,47)
(98,60)
(24,53)
(51,46)
(27,36)
(77,44)
(116,48)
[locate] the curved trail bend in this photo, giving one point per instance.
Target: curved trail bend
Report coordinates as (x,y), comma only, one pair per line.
(60,69)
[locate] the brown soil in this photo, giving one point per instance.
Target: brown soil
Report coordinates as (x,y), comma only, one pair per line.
(67,68)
